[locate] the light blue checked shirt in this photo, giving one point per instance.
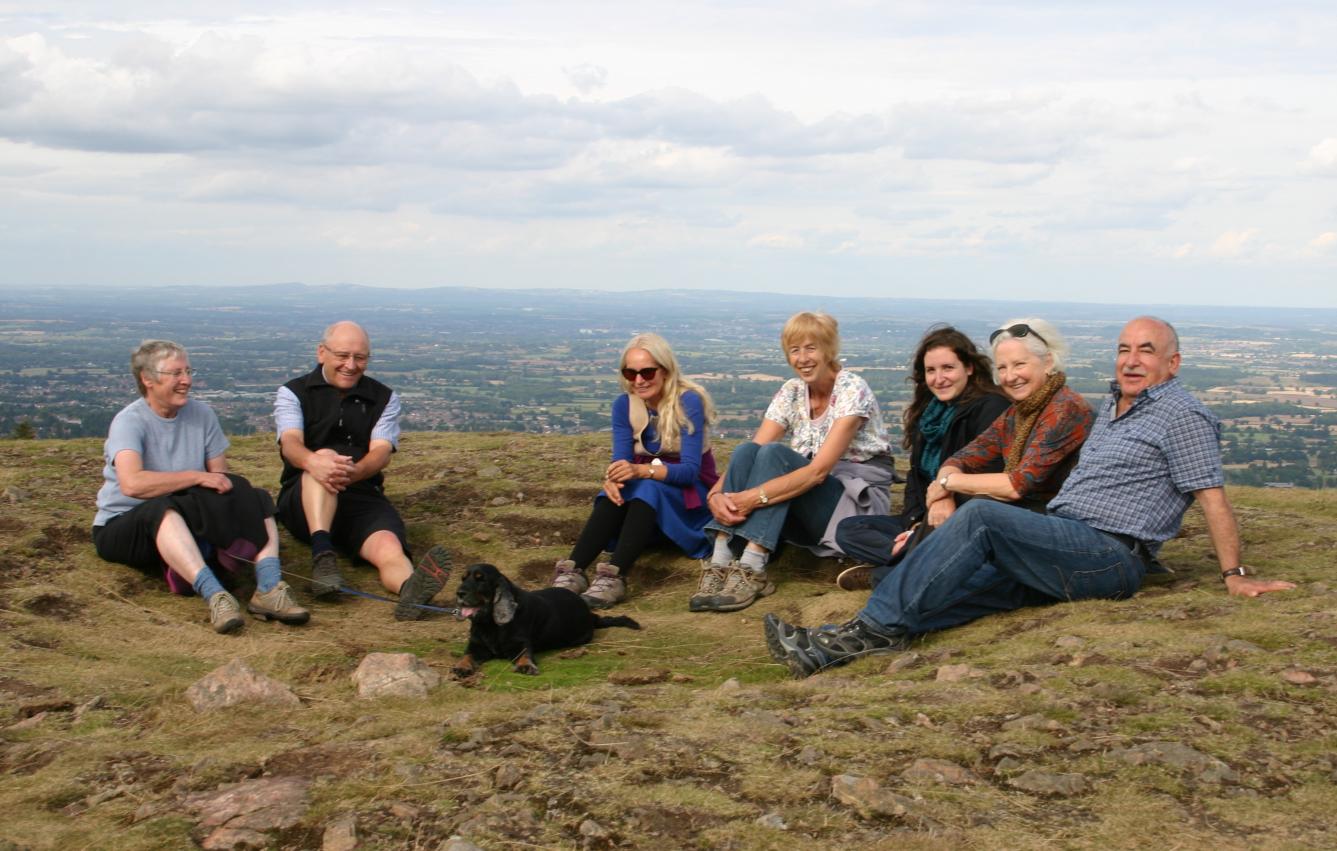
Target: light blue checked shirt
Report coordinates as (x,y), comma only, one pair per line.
(1137,474)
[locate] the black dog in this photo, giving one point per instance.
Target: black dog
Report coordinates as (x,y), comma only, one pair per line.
(506,622)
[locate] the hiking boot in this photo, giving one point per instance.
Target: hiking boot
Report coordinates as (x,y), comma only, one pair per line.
(742,587)
(325,578)
(426,580)
(778,633)
(566,576)
(277,604)
(607,589)
(857,578)
(712,583)
(809,651)
(225,613)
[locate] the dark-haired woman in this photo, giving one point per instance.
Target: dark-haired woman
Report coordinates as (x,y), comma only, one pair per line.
(955,398)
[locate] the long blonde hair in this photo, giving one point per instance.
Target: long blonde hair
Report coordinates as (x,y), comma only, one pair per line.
(672,420)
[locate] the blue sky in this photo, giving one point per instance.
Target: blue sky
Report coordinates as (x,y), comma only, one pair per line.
(1124,152)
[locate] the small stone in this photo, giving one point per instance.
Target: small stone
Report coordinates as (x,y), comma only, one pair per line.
(491,471)
(731,684)
(1084,744)
(88,706)
(458,843)
(509,776)
(1009,765)
(1051,785)
(243,814)
(499,501)
(340,834)
(593,830)
(956,673)
(1176,755)
(774,821)
(403,811)
(29,722)
(1082,660)
(937,771)
(15,495)
(1296,677)
(922,720)
(481,537)
(394,675)
(808,756)
(1035,721)
(902,662)
(1210,723)
(1198,665)
(1069,642)
(639,678)
(866,796)
(234,683)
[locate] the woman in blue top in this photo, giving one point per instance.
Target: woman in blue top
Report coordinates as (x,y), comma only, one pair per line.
(657,483)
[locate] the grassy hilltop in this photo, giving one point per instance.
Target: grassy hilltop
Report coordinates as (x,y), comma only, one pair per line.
(1043,722)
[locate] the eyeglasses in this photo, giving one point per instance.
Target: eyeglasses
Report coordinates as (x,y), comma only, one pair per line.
(356,357)
(646,373)
(174,373)
(1021,329)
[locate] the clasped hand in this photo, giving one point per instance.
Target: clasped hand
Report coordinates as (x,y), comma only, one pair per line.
(334,472)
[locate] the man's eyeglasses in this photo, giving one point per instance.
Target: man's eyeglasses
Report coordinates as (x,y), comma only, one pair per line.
(174,373)
(1021,329)
(646,374)
(356,357)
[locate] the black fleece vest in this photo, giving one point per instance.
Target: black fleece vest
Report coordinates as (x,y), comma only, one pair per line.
(339,422)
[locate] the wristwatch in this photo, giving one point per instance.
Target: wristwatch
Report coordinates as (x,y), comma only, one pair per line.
(761,496)
(1238,571)
(943,480)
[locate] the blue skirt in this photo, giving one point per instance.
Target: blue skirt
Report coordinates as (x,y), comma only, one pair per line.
(683,526)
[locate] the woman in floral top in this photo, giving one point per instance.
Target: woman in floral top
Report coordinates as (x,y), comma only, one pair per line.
(837,464)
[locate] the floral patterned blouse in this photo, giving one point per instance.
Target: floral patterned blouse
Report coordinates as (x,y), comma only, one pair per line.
(851,396)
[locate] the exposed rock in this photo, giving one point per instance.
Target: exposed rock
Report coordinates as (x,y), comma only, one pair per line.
(491,471)
(1176,755)
(1084,744)
(240,815)
(1034,721)
(937,771)
(340,834)
(458,843)
(593,830)
(509,776)
(394,675)
(774,821)
(867,797)
(1069,642)
(499,501)
(15,495)
(902,662)
(1082,660)
(481,537)
(1051,785)
(956,673)
(808,756)
(731,684)
(236,682)
(1297,677)
(639,678)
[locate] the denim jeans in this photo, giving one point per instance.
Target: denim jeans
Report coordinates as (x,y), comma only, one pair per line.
(801,520)
(992,557)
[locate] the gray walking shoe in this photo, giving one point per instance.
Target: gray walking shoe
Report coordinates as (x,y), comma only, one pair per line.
(711,584)
(607,589)
(742,587)
(426,580)
(325,577)
(225,613)
(277,604)
(566,576)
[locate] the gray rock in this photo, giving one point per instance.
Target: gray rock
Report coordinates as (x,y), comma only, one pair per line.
(1176,755)
(867,797)
(13,495)
(241,815)
(902,662)
(731,684)
(937,771)
(457,843)
(593,830)
(956,673)
(1069,642)
(1051,785)
(340,834)
(509,776)
(499,501)
(236,682)
(1035,721)
(394,675)
(774,821)
(491,471)
(808,756)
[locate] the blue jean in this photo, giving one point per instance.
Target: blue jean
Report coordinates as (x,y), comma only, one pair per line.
(801,520)
(992,557)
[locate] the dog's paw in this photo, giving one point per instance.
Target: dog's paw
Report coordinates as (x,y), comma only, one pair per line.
(463,672)
(527,667)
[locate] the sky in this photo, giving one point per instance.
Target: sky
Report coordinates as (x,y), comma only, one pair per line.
(1118,152)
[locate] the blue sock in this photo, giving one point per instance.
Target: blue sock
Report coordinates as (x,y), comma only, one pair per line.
(754,560)
(268,572)
(206,584)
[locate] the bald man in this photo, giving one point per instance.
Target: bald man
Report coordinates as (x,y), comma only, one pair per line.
(1153,451)
(337,429)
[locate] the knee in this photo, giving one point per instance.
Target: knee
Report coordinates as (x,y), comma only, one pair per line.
(744,453)
(772,452)
(381,547)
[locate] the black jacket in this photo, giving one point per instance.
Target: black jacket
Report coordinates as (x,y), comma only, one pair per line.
(970,420)
(332,420)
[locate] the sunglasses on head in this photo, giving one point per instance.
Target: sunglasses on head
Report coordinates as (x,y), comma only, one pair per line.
(1021,329)
(646,374)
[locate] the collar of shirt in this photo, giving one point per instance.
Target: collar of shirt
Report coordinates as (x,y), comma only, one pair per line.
(1153,393)
(316,378)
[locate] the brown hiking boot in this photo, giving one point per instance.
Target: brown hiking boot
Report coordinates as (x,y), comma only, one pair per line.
(225,613)
(428,578)
(566,576)
(712,583)
(607,589)
(277,604)
(857,578)
(325,578)
(742,587)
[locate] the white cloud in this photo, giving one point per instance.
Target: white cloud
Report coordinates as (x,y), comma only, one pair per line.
(1323,158)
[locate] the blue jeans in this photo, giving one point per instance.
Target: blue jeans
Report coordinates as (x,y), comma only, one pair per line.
(992,557)
(801,520)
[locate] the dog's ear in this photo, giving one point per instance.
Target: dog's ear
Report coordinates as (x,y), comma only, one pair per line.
(503,603)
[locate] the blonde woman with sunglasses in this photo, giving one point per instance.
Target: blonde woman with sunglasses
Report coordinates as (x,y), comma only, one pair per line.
(655,488)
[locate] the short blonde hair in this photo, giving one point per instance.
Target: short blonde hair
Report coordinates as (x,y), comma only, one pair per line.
(821,328)
(1043,339)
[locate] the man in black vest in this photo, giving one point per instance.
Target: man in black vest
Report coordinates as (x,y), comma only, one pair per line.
(337,429)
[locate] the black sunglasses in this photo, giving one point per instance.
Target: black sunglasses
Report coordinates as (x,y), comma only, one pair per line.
(1021,329)
(646,374)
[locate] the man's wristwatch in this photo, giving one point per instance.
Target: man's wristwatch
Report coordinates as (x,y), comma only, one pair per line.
(761,496)
(1238,571)
(943,481)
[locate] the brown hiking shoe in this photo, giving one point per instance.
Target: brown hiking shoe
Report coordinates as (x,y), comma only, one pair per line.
(712,583)
(742,587)
(225,613)
(277,604)
(427,579)
(325,578)
(607,589)
(857,578)
(566,576)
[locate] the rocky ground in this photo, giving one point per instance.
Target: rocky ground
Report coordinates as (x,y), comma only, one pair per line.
(1181,717)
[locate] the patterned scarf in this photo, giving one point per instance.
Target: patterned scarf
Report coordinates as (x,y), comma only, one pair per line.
(1027,412)
(933,423)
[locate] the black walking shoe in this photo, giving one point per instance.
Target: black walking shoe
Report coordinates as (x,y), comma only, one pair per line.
(808,651)
(325,577)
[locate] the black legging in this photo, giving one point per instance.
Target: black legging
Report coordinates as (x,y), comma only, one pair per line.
(634,525)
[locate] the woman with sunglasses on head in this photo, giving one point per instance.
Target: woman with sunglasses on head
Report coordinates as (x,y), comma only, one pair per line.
(954,399)
(837,464)
(1037,437)
(655,487)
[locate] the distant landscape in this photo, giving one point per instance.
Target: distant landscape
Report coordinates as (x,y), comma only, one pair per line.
(542,361)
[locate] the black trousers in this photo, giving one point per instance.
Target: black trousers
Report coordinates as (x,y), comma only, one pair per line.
(633,524)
